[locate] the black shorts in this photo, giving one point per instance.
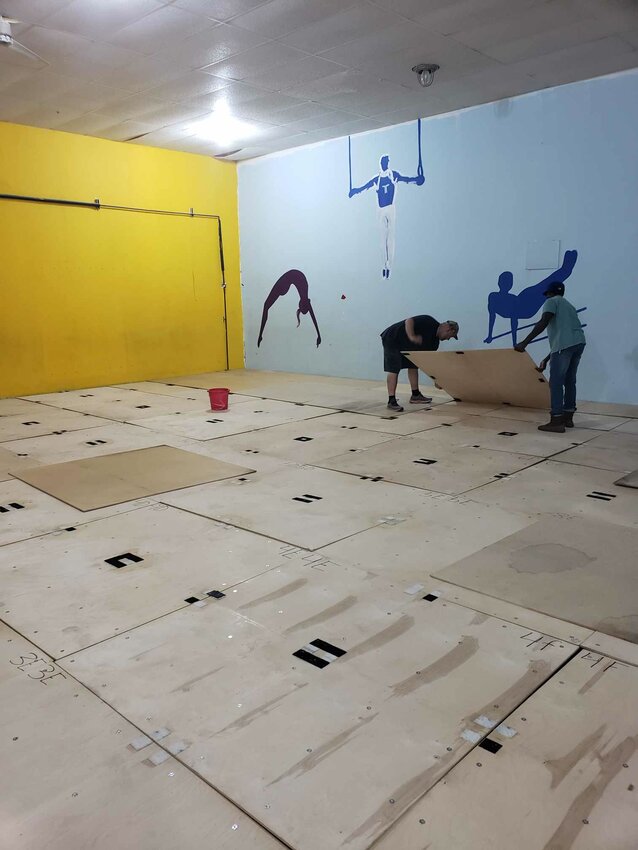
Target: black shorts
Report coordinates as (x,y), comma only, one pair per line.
(394,361)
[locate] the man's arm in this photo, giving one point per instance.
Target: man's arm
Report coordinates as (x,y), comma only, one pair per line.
(537,330)
(412,334)
(368,185)
(419,179)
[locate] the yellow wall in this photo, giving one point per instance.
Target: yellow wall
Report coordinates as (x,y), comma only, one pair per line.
(98,297)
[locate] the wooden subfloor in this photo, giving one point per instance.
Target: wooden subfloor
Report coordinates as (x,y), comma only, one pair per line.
(399,631)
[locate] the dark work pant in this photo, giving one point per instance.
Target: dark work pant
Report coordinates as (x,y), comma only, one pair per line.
(563,366)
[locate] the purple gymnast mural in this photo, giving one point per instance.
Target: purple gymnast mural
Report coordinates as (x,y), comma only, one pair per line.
(292,278)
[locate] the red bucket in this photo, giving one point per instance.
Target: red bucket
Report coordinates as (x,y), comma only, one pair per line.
(218,398)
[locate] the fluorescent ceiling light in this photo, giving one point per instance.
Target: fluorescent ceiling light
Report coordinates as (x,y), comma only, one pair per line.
(221,127)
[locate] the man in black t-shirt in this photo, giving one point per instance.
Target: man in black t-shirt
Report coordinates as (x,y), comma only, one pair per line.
(420,333)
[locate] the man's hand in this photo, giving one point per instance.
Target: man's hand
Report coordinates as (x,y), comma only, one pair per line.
(520,347)
(542,365)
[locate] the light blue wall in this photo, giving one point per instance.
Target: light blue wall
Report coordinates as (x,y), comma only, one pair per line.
(560,164)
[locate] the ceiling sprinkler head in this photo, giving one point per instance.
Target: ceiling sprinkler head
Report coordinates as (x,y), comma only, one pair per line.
(425,72)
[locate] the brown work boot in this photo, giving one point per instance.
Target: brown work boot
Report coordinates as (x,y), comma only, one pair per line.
(556,425)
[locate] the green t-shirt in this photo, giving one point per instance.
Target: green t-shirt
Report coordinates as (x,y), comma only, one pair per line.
(564,329)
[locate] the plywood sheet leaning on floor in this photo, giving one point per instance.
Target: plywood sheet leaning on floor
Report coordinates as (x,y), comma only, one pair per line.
(630,480)
(560,774)
(580,571)
(111,479)
(501,376)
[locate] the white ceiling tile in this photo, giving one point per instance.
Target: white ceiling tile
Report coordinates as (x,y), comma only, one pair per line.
(248,153)
(172,133)
(174,112)
(541,44)
(52,44)
(9,56)
(219,9)
(340,27)
(433,106)
(537,19)
(162,28)
(188,85)
(11,108)
(631,37)
(265,108)
(281,17)
(254,62)
(132,107)
(88,124)
(468,14)
(95,61)
(41,87)
(47,115)
(125,130)
(294,74)
(602,56)
(213,45)
(299,111)
(13,73)
(331,118)
(89,96)
(33,11)
(232,95)
(101,19)
(144,73)
(623,13)
(397,37)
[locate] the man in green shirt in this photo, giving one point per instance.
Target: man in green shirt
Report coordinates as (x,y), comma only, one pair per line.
(566,344)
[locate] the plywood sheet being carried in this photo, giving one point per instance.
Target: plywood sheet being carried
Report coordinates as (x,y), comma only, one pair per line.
(325,757)
(112,479)
(562,776)
(114,574)
(75,774)
(580,571)
(486,376)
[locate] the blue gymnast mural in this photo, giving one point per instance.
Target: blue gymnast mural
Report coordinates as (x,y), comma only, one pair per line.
(527,302)
(384,184)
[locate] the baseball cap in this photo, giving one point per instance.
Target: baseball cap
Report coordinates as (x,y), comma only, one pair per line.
(455,327)
(555,288)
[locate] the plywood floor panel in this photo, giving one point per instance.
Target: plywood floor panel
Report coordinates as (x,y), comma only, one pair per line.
(565,490)
(302,442)
(11,461)
(609,409)
(122,405)
(89,600)
(614,450)
(499,434)
(565,781)
(363,738)
(429,461)
(17,407)
(579,570)
(621,650)
(630,427)
(238,419)
(41,514)
(420,419)
(281,504)
(49,420)
(71,778)
(582,420)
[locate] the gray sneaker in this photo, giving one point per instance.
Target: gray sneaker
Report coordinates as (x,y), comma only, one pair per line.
(394,405)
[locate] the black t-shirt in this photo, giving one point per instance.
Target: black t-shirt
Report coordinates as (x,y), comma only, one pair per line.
(424,326)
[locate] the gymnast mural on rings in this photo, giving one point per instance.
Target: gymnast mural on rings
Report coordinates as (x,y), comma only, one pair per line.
(384,184)
(292,278)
